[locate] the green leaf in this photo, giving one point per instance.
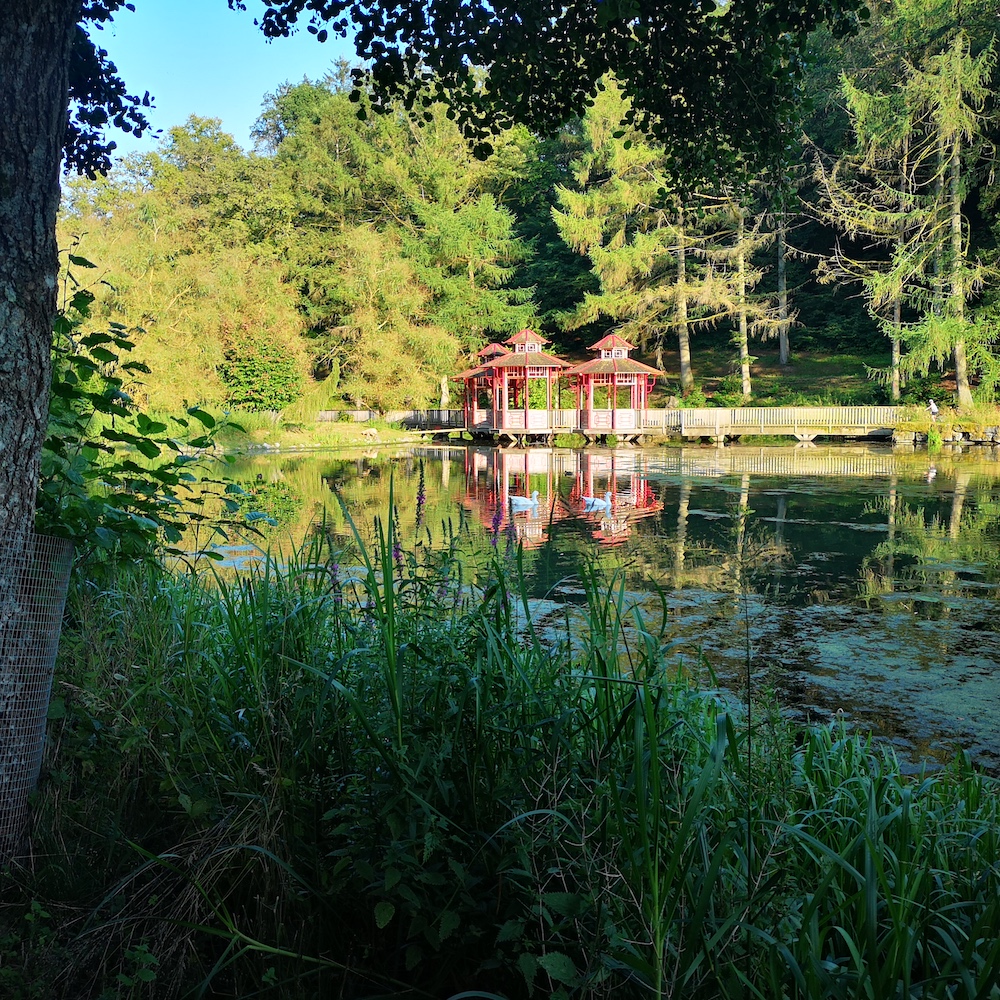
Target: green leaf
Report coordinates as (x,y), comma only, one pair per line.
(528,966)
(149,448)
(567,904)
(512,930)
(206,419)
(384,912)
(559,966)
(106,539)
(449,923)
(80,261)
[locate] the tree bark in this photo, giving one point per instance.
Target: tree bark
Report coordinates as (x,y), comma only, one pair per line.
(741,296)
(957,282)
(36,40)
(783,353)
(683,337)
(895,340)
(35,44)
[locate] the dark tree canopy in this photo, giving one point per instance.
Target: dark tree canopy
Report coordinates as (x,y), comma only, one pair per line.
(98,95)
(714,80)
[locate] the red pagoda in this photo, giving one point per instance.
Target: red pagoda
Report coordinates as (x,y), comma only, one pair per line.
(514,390)
(600,381)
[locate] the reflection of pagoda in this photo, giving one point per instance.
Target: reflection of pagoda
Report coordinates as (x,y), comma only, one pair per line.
(622,474)
(492,476)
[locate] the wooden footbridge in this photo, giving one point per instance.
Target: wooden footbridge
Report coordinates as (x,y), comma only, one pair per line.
(718,423)
(802,422)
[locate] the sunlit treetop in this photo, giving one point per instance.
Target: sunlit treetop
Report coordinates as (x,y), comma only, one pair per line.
(715,82)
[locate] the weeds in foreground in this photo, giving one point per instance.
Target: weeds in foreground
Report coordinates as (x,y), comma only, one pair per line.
(359,781)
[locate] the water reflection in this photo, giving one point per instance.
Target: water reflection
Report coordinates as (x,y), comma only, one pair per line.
(850,579)
(608,491)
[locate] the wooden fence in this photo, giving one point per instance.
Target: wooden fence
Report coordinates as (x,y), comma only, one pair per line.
(445,419)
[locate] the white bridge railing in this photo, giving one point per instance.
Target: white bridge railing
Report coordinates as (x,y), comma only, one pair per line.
(796,420)
(800,421)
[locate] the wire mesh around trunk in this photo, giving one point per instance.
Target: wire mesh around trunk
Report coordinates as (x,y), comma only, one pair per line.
(34,578)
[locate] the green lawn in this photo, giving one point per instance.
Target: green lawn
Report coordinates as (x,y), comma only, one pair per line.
(813,377)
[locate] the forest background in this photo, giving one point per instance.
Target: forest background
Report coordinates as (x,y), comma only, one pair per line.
(351,261)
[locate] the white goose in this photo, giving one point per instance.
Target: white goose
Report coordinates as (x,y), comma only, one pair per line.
(524,503)
(596,503)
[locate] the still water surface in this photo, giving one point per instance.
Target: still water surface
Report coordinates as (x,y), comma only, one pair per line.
(864,582)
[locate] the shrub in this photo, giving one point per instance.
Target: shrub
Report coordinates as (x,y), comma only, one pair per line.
(260,376)
(114,480)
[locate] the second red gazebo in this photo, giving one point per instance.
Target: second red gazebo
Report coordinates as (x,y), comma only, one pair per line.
(604,376)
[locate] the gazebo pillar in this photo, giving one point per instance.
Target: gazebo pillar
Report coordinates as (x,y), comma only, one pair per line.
(614,399)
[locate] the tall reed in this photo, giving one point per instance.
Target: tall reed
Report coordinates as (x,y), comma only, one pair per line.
(347,774)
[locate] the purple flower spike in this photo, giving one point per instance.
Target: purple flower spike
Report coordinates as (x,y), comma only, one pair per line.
(421,496)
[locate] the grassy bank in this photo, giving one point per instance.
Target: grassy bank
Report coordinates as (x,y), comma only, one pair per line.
(291,432)
(328,782)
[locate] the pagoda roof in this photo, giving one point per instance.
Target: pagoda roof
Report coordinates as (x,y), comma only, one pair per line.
(612,366)
(526,336)
(491,350)
(610,342)
(536,359)
(510,359)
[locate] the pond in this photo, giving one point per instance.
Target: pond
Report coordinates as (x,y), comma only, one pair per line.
(854,581)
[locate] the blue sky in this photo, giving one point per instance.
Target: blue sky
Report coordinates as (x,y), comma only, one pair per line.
(197,57)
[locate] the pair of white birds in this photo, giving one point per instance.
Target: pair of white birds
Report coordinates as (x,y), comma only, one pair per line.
(589,503)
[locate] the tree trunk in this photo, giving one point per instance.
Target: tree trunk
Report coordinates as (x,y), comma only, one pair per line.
(957,281)
(683,338)
(897,304)
(741,297)
(35,43)
(937,278)
(783,354)
(897,323)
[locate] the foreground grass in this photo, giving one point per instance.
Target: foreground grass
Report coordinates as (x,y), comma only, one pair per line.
(312,783)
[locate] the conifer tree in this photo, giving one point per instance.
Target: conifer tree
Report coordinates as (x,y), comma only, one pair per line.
(736,248)
(646,248)
(902,190)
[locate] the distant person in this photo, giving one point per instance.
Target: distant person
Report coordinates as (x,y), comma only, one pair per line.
(932,409)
